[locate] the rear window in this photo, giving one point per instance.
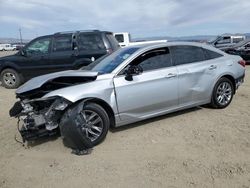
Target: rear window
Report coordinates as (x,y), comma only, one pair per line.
(187,54)
(113,42)
(119,37)
(211,54)
(62,43)
(90,41)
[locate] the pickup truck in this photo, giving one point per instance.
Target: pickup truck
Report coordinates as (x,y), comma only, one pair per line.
(224,42)
(7,47)
(124,39)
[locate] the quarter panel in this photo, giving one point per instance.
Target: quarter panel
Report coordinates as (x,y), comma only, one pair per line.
(195,82)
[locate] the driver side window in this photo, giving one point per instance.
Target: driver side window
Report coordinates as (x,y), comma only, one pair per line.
(40,46)
(153,59)
(224,40)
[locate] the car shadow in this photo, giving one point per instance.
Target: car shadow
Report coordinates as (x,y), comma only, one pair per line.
(41,141)
(154,119)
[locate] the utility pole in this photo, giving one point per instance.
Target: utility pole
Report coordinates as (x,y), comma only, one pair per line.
(20,32)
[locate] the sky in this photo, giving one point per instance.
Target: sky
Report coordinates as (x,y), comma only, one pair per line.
(142,18)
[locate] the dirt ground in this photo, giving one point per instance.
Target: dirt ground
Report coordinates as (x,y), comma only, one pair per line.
(200,147)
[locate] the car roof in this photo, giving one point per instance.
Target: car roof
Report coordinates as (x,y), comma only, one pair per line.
(82,31)
(178,43)
(71,32)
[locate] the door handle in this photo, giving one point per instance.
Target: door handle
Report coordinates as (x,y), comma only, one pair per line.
(170,75)
(212,67)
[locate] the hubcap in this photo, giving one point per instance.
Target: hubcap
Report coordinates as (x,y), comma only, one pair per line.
(224,93)
(91,124)
(9,79)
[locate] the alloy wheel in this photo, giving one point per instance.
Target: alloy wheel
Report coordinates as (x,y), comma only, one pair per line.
(9,79)
(91,124)
(224,93)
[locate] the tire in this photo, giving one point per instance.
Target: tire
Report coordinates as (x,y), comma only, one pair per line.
(10,79)
(222,93)
(77,125)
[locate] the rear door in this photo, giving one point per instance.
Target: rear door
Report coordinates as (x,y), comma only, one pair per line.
(196,73)
(153,91)
(63,53)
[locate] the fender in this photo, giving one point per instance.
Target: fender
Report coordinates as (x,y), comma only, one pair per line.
(9,65)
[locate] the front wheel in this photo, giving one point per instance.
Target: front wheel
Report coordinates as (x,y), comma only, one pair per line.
(10,79)
(222,93)
(84,125)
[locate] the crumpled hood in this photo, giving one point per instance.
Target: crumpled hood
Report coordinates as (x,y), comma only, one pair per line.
(39,81)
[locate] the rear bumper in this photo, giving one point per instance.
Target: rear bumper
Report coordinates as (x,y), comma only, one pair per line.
(239,81)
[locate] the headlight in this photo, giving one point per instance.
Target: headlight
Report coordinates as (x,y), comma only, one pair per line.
(60,104)
(53,103)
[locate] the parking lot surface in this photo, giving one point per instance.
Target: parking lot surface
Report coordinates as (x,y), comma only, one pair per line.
(199,147)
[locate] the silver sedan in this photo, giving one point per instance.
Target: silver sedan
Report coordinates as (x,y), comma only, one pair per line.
(130,85)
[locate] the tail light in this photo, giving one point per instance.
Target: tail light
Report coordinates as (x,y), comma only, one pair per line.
(110,51)
(242,63)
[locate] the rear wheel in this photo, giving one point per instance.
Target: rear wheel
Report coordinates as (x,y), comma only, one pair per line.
(10,79)
(222,93)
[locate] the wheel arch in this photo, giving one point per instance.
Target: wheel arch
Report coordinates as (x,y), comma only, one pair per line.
(104,105)
(13,68)
(231,78)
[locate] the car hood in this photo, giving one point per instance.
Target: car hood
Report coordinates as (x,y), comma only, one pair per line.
(53,81)
(9,57)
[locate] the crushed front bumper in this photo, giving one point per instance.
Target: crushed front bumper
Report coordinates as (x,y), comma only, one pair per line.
(38,121)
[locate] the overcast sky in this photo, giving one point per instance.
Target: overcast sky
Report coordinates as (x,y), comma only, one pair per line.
(142,18)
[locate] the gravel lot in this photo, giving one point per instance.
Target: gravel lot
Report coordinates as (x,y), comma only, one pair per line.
(200,147)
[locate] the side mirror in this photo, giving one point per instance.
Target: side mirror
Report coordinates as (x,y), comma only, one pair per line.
(132,71)
(23,52)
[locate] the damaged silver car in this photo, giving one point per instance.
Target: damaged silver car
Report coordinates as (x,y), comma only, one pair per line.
(130,85)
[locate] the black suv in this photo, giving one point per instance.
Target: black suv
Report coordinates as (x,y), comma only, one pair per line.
(242,49)
(57,52)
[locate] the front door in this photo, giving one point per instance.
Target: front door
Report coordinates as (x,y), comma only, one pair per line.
(36,60)
(150,93)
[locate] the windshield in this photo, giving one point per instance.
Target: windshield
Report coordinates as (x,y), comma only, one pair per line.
(108,63)
(213,39)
